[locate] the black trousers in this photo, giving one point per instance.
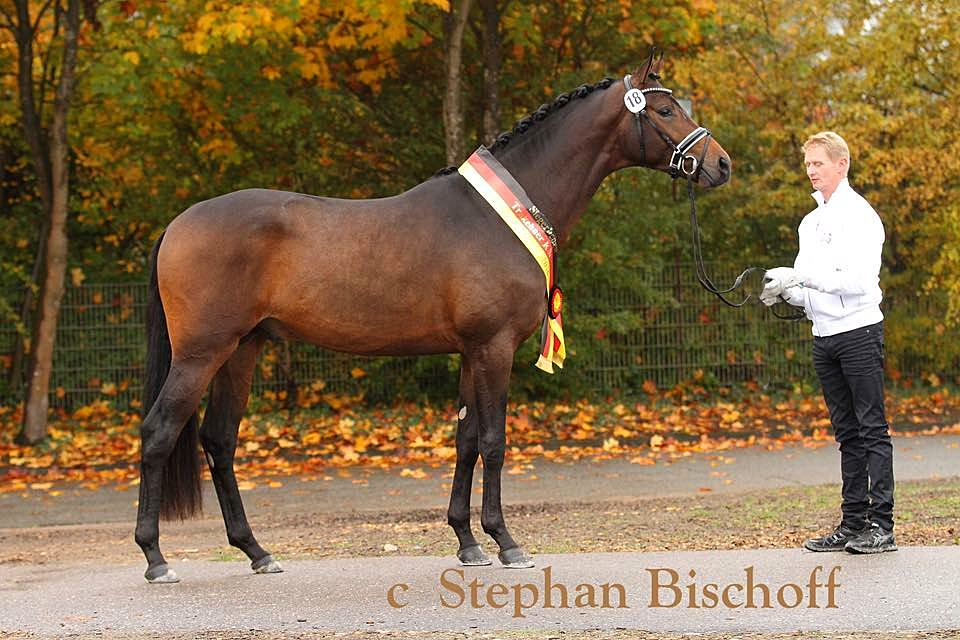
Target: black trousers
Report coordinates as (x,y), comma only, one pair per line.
(850,368)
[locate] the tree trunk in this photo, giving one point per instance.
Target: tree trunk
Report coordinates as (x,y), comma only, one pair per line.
(453,26)
(492,60)
(51,159)
(20,343)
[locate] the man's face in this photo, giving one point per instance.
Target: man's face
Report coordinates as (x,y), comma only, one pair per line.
(824,173)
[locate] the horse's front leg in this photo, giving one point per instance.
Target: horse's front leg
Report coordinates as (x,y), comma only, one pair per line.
(491,374)
(470,552)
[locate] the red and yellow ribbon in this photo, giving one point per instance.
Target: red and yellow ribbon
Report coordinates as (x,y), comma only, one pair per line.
(508,199)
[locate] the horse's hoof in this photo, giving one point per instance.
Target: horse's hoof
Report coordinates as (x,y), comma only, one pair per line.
(266,564)
(473,557)
(515,558)
(161,574)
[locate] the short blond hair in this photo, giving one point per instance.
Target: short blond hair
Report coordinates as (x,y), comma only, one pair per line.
(835,146)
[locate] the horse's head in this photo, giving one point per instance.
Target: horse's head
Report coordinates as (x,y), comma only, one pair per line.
(662,135)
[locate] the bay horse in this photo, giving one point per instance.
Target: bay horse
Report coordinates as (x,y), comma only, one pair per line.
(431,270)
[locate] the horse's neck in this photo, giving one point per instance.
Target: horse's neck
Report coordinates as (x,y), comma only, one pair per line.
(561,166)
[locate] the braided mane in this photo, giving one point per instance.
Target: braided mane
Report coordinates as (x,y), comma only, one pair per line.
(545,110)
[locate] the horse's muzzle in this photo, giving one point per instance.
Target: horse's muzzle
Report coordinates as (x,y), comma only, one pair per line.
(716,169)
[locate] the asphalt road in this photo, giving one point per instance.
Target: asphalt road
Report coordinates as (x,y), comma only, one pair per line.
(915,588)
(694,592)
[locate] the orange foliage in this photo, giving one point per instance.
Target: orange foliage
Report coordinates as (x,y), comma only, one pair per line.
(97,445)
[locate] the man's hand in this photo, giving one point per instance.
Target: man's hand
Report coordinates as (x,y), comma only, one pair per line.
(776,282)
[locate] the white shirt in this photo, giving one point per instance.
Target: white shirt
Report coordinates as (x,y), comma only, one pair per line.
(839,263)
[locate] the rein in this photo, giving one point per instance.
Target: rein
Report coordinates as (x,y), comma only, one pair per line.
(705,280)
(689,166)
(702,277)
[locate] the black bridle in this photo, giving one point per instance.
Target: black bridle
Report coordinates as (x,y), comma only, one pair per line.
(690,166)
(680,161)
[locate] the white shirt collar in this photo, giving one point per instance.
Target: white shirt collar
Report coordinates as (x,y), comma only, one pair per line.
(843,185)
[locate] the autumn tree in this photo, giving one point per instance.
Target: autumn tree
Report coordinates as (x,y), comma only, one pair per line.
(53,27)
(883,75)
(489,33)
(181,100)
(454,24)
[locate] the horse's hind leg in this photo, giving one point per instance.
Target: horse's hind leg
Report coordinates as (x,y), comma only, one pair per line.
(160,431)
(468,450)
(228,401)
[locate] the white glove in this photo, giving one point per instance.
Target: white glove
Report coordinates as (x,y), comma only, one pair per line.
(776,282)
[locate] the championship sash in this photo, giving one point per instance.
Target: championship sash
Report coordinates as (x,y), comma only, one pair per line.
(510,201)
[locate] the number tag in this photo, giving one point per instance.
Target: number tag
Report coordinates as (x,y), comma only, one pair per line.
(635,100)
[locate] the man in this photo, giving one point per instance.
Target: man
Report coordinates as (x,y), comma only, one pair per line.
(836,279)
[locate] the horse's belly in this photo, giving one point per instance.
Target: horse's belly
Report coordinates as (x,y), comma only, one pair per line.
(367,329)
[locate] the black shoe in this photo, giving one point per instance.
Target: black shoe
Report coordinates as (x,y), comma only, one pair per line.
(875,539)
(836,541)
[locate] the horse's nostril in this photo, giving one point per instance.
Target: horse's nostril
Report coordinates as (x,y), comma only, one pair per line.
(724,164)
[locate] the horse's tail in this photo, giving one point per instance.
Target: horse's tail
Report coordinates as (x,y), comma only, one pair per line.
(181,492)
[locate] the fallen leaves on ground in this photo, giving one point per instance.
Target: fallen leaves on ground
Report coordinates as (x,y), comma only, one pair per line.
(98,445)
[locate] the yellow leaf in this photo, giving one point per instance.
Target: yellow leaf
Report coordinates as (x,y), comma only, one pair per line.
(309,70)
(730,416)
(445,453)
(357,372)
(132,57)
(77,276)
(246,485)
(83,412)
(361,444)
(236,31)
(270,72)
(341,41)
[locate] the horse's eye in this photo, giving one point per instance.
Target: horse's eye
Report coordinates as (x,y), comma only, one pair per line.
(666,112)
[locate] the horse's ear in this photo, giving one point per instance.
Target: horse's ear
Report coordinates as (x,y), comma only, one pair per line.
(651,68)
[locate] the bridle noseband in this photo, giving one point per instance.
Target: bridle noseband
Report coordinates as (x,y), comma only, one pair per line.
(680,161)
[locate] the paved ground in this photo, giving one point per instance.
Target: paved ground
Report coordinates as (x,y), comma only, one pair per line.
(913,589)
(770,590)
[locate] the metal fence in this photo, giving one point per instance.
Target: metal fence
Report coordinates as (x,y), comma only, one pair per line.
(671,332)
